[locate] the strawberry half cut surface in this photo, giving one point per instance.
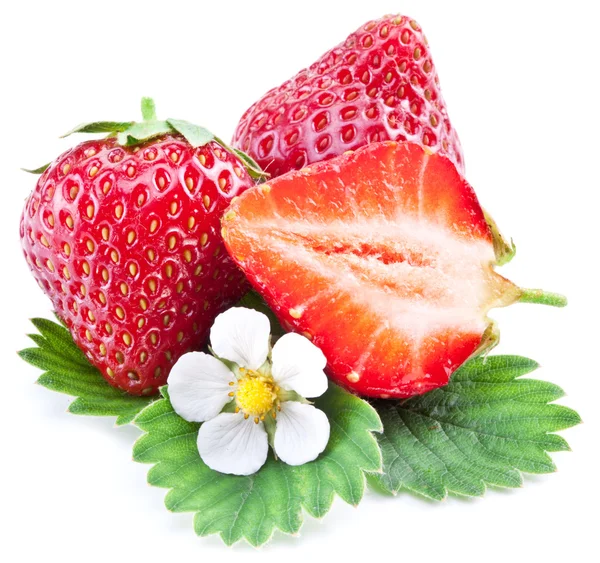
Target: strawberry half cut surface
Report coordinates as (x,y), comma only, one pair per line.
(383,257)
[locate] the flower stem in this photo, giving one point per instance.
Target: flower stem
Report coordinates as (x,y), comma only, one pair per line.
(542,297)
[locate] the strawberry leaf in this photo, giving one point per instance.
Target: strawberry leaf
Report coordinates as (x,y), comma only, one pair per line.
(253,507)
(141,132)
(67,370)
(484,428)
(251,165)
(99,127)
(38,170)
(194,134)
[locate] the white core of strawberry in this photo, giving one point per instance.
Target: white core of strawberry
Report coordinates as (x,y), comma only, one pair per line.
(416,276)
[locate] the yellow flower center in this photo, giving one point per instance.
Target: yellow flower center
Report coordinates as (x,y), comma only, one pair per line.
(256,394)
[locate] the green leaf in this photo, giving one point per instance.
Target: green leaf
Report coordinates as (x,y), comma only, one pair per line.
(251,165)
(140,132)
(253,507)
(99,127)
(39,170)
(67,370)
(194,134)
(484,428)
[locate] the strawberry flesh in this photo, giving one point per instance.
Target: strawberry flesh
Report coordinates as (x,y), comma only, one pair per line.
(382,257)
(379,84)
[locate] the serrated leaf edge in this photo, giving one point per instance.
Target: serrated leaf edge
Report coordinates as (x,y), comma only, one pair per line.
(81,364)
(377,427)
(524,364)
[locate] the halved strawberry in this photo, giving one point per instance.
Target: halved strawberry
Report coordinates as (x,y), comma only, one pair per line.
(383,257)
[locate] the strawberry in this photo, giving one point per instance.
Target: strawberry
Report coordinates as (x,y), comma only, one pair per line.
(383,257)
(123,236)
(379,84)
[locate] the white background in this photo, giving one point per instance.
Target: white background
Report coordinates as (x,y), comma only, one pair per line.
(520,79)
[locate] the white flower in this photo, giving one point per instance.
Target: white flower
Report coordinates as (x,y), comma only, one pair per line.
(254,397)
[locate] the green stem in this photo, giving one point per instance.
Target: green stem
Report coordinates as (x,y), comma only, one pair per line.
(148,109)
(542,297)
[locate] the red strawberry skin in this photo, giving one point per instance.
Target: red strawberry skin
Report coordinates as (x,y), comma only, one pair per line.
(126,243)
(382,257)
(379,84)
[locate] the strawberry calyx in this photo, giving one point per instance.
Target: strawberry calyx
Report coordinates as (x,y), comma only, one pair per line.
(504,251)
(132,133)
(491,335)
(37,171)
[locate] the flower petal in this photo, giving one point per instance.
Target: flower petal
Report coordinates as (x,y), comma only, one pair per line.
(301,434)
(232,444)
(199,386)
(242,336)
(298,365)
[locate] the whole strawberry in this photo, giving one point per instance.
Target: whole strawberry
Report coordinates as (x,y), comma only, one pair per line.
(380,84)
(123,235)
